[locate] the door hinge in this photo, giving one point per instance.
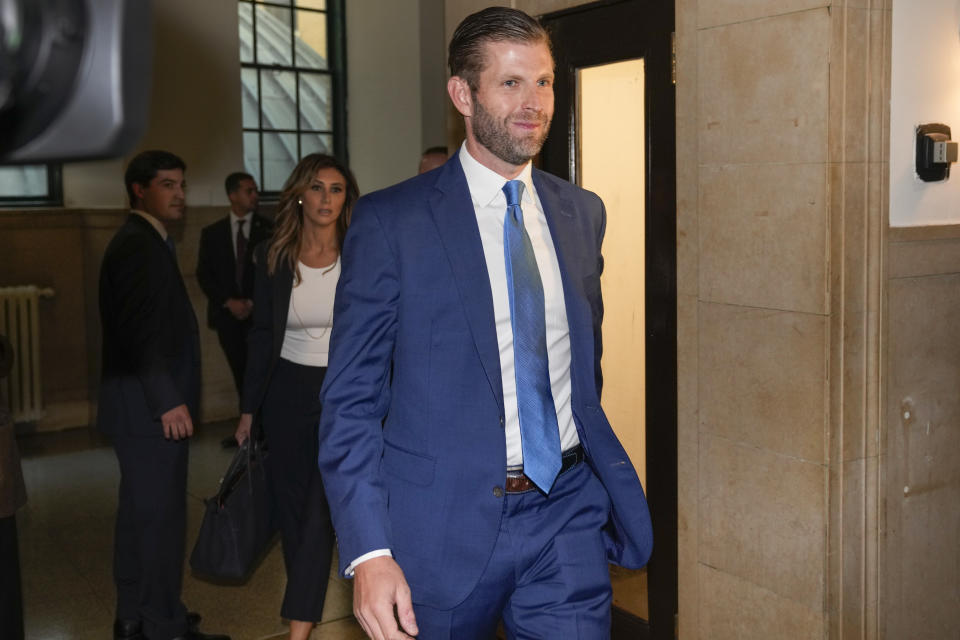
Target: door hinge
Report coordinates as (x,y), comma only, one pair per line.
(673,56)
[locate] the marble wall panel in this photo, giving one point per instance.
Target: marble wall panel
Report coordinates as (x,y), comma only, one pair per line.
(922,481)
(763,94)
(763,519)
(735,609)
(723,12)
(762,378)
(763,235)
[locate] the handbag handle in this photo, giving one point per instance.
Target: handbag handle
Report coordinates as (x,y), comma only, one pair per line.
(242,462)
(238,464)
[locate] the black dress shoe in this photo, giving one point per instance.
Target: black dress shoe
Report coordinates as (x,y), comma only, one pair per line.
(127,630)
(196,635)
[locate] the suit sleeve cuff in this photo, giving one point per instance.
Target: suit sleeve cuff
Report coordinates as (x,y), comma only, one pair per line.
(377,553)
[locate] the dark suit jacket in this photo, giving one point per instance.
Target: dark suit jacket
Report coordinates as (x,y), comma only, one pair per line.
(216,266)
(271,300)
(412,463)
(151,348)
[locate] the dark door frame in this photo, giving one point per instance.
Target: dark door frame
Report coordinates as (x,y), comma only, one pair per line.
(599,33)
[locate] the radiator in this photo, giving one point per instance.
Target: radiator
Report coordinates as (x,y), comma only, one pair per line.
(20,322)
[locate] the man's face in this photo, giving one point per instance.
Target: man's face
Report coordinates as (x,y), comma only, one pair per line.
(245,198)
(164,197)
(513,103)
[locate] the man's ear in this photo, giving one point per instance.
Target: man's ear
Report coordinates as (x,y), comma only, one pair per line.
(138,191)
(460,95)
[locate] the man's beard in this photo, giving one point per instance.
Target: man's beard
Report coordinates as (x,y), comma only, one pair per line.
(496,137)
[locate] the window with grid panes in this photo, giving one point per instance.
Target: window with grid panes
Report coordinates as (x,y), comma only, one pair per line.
(292,85)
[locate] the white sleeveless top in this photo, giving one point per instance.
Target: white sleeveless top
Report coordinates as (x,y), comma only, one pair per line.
(306,339)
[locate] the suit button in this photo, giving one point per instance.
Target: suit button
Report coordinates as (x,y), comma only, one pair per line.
(498,492)
(501,421)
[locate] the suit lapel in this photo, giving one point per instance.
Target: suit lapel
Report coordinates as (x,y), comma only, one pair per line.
(226,244)
(146,227)
(456,220)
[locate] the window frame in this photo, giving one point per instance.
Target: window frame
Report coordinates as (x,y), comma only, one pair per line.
(53,197)
(336,70)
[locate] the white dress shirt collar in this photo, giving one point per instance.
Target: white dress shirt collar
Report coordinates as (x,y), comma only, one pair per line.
(486,185)
(156,224)
(234,219)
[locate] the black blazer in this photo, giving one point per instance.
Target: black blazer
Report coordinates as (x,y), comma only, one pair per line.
(151,347)
(216,265)
(271,300)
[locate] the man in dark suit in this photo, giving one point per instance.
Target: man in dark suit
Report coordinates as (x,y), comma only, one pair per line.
(225,269)
(470,470)
(149,392)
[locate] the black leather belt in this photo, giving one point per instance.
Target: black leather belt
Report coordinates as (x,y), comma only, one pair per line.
(518,482)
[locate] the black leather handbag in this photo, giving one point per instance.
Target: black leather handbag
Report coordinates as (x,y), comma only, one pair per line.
(238,524)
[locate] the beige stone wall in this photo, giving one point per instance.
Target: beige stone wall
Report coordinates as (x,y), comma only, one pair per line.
(781,128)
(383,76)
(921,480)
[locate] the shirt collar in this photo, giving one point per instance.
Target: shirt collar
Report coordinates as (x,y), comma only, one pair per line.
(234,218)
(156,224)
(486,185)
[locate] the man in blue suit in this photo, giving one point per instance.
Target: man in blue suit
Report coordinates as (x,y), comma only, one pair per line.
(470,470)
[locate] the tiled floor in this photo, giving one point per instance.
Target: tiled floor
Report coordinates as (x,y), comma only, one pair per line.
(66,541)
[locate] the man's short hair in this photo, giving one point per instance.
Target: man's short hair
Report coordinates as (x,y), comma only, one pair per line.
(144,167)
(493,24)
(232,183)
(432,150)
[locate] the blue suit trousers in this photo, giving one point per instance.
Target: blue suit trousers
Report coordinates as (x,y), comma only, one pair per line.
(548,576)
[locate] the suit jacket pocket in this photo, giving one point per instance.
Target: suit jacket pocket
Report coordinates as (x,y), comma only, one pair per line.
(415,468)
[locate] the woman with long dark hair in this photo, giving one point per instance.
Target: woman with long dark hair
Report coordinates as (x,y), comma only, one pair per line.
(296,278)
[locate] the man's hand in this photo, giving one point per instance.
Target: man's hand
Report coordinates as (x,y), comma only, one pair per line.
(177,423)
(379,585)
(243,427)
(239,308)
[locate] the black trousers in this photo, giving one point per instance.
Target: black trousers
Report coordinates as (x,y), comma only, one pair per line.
(11,597)
(291,415)
(232,334)
(150,534)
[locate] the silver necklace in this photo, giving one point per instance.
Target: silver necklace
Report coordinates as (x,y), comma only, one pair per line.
(293,304)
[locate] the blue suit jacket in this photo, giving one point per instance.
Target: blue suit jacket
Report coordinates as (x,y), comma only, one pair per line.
(411,438)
